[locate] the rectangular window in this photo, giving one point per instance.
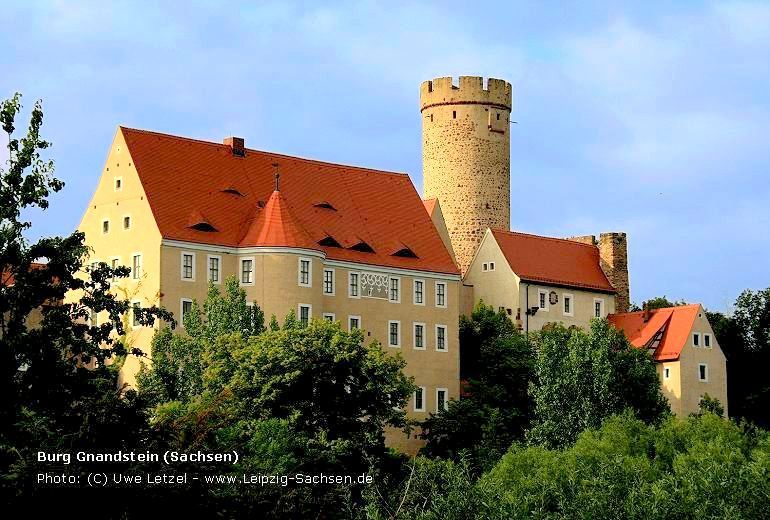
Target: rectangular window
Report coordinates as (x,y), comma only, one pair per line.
(247,271)
(135,315)
(707,340)
(353,285)
(666,373)
(215,263)
(329,281)
(305,277)
(394,333)
(114,264)
(105,226)
(354,322)
(441,343)
(395,289)
(126,222)
(485,266)
(598,308)
(304,314)
(419,292)
(419,399)
(440,294)
(703,372)
(188,266)
(696,339)
(542,299)
(329,316)
(491,266)
(419,336)
(441,399)
(136,266)
(568,306)
(118,183)
(185,309)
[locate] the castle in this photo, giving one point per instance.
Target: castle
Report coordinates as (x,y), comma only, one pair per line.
(361,247)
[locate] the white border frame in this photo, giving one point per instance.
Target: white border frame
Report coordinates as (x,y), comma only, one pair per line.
(491,266)
(414,399)
(133,304)
(130,222)
(710,342)
(182,301)
(424,336)
(435,294)
(114,183)
(398,290)
(400,333)
(353,316)
(547,302)
(330,315)
(253,271)
(309,271)
(706,366)
(602,313)
(109,226)
(309,312)
(208,269)
(571,297)
(181,265)
(700,340)
(415,281)
(136,274)
(358,284)
(446,398)
(446,337)
(334,282)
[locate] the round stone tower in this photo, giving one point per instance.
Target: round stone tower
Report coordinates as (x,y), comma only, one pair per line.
(466,157)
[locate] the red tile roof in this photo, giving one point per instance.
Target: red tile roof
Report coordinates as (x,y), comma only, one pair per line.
(554,261)
(674,322)
(182,176)
(430,205)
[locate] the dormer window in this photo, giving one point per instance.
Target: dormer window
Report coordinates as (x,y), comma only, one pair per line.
(405,252)
(362,247)
(204,226)
(325,205)
(328,241)
(232,191)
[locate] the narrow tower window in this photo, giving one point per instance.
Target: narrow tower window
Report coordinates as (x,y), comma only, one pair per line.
(454,114)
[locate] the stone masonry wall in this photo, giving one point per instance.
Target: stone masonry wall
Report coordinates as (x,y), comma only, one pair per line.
(613,259)
(466,157)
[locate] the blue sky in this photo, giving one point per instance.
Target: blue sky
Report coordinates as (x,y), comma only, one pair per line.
(649,117)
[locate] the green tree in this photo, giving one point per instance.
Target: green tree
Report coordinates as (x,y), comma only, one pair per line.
(177,359)
(494,409)
(51,400)
(581,378)
(661,302)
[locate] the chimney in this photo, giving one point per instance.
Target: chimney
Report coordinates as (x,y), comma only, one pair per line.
(236,145)
(613,257)
(646,314)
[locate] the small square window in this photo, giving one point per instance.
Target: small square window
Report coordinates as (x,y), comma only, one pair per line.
(354,322)
(329,316)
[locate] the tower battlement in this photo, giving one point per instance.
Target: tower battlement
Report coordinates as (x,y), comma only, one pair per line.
(471,90)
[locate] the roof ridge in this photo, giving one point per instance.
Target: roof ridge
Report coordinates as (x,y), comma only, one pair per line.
(556,239)
(265,152)
(675,307)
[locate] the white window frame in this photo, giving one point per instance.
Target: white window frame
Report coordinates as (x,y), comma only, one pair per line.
(116,261)
(218,281)
(414,291)
(181,265)
(491,266)
(390,323)
(696,335)
(358,284)
(707,344)
(415,324)
(136,274)
(109,226)
(446,337)
(446,294)
(334,281)
(130,222)
(354,317)
(309,271)
(446,398)
(115,184)
(309,312)
(547,302)
(253,270)
(398,289)
(666,372)
(414,399)
(485,267)
(600,301)
(571,297)
(182,301)
(706,372)
(330,315)
(134,326)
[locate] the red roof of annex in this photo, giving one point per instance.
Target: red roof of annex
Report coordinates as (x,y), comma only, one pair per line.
(675,323)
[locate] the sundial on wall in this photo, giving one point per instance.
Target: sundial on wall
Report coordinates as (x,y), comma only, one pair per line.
(553,298)
(374,285)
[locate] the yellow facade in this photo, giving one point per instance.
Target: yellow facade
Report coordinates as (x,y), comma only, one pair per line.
(276,286)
